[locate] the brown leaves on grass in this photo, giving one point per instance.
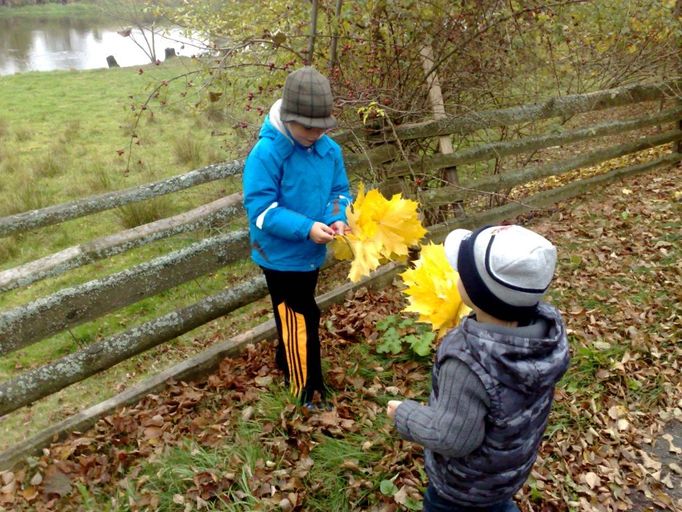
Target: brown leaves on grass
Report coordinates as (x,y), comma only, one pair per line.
(618,284)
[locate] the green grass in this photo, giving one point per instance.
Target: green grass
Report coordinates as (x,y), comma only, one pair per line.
(328,487)
(136,214)
(236,464)
(80,9)
(61,140)
(174,471)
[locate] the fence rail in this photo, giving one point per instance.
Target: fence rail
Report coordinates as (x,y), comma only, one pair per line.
(23,325)
(204,216)
(72,306)
(528,144)
(565,106)
(56,214)
(520,176)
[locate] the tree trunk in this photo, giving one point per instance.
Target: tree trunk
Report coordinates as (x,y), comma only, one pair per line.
(449,175)
(335,37)
(677,14)
(313,32)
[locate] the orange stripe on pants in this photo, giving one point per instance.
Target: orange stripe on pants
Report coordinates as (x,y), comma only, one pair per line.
(295,338)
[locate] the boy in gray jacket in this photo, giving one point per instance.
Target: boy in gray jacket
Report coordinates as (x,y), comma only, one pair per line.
(493,376)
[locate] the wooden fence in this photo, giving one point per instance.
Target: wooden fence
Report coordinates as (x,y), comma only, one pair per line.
(382,151)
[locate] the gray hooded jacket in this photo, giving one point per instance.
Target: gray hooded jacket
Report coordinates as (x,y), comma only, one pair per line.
(518,371)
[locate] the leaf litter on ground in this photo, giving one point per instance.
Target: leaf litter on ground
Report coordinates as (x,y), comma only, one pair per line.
(246,446)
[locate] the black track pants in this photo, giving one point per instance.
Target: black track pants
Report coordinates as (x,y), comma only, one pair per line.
(298,319)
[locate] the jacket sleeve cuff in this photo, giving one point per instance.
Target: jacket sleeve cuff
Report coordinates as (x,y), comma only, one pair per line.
(402,416)
(336,209)
(303,229)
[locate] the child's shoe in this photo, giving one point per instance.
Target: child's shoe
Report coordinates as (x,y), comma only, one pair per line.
(313,407)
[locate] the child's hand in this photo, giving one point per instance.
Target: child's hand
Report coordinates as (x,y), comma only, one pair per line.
(391,408)
(321,233)
(340,228)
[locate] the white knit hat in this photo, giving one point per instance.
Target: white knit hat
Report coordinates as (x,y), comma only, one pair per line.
(505,270)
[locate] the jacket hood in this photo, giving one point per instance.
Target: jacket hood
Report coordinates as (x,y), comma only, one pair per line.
(529,358)
(274,128)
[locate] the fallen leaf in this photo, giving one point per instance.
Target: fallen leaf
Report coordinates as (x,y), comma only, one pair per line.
(592,479)
(672,448)
(56,482)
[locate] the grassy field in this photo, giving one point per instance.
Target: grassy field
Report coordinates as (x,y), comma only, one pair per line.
(65,135)
(81,9)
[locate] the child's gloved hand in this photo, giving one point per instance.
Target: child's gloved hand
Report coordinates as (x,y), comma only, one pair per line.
(391,408)
(321,233)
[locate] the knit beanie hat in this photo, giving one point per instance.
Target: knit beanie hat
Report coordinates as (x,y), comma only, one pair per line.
(307,99)
(505,270)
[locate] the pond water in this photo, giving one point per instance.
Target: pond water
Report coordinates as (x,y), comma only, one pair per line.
(29,44)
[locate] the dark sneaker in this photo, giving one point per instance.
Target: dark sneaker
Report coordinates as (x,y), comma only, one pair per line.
(310,407)
(318,406)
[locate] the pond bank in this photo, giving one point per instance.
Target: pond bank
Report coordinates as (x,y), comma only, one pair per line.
(78,10)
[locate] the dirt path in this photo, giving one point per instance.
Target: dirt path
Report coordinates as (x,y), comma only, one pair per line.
(666,449)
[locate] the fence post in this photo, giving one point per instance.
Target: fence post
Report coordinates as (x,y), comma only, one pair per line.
(677,14)
(438,106)
(449,174)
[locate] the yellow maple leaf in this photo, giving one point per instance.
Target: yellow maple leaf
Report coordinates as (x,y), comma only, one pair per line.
(381,230)
(342,248)
(432,290)
(366,258)
(399,226)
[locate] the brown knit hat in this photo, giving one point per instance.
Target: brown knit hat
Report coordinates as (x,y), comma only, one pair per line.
(307,99)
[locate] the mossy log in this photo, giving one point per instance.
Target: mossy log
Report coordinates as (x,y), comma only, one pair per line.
(509,179)
(73,257)
(26,324)
(26,221)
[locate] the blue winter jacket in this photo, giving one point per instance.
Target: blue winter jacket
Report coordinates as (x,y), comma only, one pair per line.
(287,187)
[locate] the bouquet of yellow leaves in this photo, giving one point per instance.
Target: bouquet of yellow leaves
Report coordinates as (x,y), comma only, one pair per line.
(381,230)
(432,290)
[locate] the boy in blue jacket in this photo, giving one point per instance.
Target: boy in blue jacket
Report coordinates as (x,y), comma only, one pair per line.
(295,194)
(494,374)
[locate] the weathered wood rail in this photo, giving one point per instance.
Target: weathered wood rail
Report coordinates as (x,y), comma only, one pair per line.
(204,216)
(44,317)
